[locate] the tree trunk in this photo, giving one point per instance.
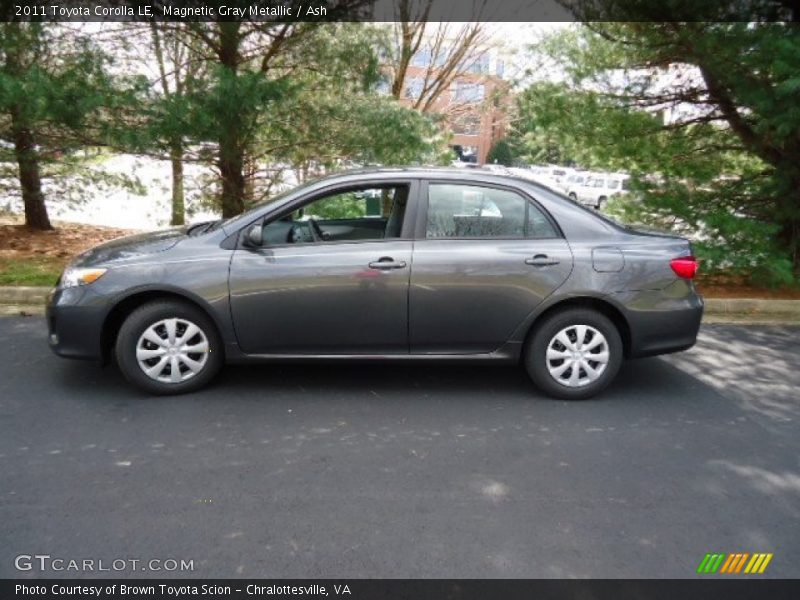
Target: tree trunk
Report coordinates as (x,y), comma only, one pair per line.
(231,153)
(230,166)
(789,238)
(250,170)
(789,218)
(178,206)
(29,176)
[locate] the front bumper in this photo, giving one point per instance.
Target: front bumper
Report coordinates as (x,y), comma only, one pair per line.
(75,319)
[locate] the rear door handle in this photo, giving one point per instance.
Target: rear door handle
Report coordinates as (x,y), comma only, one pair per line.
(386,263)
(541,260)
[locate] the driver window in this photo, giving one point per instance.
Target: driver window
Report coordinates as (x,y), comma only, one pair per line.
(370,213)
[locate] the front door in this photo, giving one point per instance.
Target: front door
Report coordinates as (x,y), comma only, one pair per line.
(488,258)
(331,277)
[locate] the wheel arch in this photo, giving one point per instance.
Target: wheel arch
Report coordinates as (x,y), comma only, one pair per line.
(603,306)
(127,304)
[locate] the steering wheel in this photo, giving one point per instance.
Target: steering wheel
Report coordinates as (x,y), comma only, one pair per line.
(304,232)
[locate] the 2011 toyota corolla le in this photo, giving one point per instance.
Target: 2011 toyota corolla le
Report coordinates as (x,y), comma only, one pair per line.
(386,264)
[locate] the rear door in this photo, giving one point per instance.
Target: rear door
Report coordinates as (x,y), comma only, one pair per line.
(486,256)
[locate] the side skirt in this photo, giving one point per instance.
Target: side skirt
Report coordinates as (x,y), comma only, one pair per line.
(508,353)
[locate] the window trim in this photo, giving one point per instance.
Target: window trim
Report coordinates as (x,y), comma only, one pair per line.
(421,229)
(406,232)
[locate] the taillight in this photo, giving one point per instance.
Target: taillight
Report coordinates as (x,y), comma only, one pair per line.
(685,267)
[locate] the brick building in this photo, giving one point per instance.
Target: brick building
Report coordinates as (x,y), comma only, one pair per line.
(475,106)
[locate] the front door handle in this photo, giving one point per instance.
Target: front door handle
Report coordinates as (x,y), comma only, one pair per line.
(386,263)
(541,260)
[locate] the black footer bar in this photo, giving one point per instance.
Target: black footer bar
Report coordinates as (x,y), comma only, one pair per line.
(411,589)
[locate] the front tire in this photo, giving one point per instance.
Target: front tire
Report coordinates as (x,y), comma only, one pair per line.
(574,354)
(168,347)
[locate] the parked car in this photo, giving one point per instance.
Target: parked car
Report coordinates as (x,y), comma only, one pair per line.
(594,190)
(559,174)
(384,264)
(537,174)
(578,178)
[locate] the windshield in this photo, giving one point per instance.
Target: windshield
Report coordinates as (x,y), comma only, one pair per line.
(269,200)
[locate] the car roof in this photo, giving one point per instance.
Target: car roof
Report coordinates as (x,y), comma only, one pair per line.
(478,174)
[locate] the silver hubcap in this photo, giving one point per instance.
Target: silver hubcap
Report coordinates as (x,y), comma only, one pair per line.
(172,350)
(577,355)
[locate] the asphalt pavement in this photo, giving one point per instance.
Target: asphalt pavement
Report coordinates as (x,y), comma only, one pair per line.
(404,471)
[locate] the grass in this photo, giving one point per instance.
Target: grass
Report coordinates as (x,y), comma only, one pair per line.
(30,271)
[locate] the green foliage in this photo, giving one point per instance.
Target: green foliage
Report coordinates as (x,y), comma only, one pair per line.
(334,115)
(501,153)
(312,108)
(30,271)
(343,206)
(55,83)
(705,117)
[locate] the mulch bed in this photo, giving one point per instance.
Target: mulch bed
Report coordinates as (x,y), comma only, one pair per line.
(64,242)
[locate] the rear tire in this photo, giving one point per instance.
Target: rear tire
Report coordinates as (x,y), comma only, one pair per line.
(566,367)
(168,347)
(573,196)
(601,201)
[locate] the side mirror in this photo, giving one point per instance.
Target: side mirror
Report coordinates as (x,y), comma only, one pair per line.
(254,235)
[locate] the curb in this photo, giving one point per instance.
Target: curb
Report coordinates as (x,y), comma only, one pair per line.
(754,307)
(19,294)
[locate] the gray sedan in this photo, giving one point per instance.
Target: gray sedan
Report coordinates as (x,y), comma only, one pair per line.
(385,264)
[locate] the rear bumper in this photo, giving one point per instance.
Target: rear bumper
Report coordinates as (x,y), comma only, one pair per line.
(662,321)
(74,322)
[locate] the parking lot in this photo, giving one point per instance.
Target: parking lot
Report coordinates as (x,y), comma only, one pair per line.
(406,471)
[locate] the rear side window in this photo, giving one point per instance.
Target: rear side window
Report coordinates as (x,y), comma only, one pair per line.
(471,211)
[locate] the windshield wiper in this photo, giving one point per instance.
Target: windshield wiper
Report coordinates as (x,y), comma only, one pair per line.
(203,227)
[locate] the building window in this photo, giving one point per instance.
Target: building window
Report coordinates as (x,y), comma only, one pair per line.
(480,66)
(422,58)
(383,86)
(469,124)
(466,91)
(442,55)
(413,88)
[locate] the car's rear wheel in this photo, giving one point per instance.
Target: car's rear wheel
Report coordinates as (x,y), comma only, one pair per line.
(574,354)
(168,347)
(573,196)
(601,202)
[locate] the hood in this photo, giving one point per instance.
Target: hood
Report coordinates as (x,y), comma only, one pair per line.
(130,246)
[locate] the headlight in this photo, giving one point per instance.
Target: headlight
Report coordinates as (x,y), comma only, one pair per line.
(73,276)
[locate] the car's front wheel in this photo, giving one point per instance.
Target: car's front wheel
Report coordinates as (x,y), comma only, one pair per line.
(168,347)
(574,354)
